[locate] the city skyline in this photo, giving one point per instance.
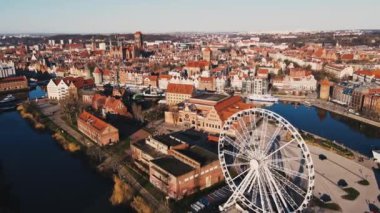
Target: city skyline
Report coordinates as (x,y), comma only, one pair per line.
(116,16)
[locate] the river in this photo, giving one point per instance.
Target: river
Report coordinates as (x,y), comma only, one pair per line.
(352,134)
(45,178)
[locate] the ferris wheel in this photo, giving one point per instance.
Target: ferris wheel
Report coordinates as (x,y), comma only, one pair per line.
(265,162)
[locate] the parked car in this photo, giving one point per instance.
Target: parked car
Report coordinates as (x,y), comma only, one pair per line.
(322,157)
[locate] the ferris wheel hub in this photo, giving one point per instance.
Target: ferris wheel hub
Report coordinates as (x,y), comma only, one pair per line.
(254,164)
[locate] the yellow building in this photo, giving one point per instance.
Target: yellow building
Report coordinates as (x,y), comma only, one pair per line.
(177,93)
(324,92)
(207,112)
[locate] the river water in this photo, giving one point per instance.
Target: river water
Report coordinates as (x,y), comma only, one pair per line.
(45,178)
(352,134)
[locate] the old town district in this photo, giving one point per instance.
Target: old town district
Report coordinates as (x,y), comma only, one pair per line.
(193,83)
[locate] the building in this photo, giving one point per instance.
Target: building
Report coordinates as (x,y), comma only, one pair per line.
(175,167)
(371,104)
(342,93)
(109,105)
(138,39)
(13,84)
(207,112)
(7,69)
(177,93)
(207,84)
(259,86)
(97,130)
(60,88)
(207,54)
(324,91)
(339,71)
(367,76)
(196,67)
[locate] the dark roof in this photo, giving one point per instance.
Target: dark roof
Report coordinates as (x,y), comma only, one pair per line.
(147,149)
(199,154)
(211,97)
(172,166)
(167,140)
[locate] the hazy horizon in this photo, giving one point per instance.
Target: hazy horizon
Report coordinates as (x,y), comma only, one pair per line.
(169,16)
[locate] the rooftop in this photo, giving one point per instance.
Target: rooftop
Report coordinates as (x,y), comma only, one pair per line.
(210,97)
(168,140)
(199,154)
(172,166)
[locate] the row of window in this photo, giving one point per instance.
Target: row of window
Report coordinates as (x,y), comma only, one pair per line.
(202,173)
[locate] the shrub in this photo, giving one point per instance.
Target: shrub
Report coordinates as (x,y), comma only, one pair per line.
(352,193)
(140,205)
(363,182)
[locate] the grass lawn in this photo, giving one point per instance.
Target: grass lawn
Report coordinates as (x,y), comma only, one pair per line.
(352,193)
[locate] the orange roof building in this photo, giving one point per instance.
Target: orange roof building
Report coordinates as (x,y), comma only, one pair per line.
(208,112)
(177,93)
(97,130)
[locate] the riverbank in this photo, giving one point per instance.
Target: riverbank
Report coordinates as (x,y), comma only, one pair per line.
(111,161)
(329,106)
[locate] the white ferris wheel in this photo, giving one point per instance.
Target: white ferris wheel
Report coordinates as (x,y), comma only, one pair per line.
(265,162)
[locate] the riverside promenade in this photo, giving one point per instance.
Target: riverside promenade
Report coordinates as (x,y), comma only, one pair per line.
(54,114)
(329,106)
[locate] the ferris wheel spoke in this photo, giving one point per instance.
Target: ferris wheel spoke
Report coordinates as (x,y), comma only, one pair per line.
(281,179)
(278,189)
(288,171)
(237,164)
(241,188)
(245,133)
(242,173)
(273,138)
(236,155)
(266,195)
(235,144)
(274,192)
(279,149)
(279,160)
(261,193)
(263,132)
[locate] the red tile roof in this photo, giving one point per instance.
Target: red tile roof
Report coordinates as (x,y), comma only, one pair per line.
(230,106)
(180,88)
(93,121)
(13,79)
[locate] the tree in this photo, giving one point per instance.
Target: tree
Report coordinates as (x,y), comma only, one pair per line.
(71,107)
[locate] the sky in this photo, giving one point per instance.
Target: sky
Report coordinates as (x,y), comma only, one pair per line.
(160,16)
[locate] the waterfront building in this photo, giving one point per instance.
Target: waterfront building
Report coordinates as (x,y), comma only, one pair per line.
(7,69)
(206,112)
(367,76)
(259,86)
(13,83)
(342,92)
(324,91)
(97,130)
(359,93)
(175,167)
(151,81)
(177,93)
(371,104)
(60,88)
(339,71)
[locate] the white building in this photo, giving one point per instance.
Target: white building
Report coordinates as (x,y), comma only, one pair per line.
(259,86)
(307,83)
(102,46)
(339,71)
(57,89)
(7,69)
